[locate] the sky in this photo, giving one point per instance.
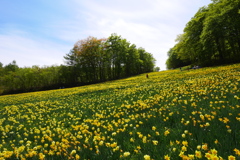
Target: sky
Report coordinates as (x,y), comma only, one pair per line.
(42,32)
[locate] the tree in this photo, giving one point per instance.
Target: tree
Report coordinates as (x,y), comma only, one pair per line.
(116,48)
(157,69)
(173,60)
(131,60)
(192,49)
(94,60)
(84,58)
(11,67)
(212,36)
(1,69)
(91,60)
(146,61)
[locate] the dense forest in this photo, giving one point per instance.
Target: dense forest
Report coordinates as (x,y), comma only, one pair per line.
(211,37)
(90,61)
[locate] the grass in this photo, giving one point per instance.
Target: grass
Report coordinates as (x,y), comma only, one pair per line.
(173,114)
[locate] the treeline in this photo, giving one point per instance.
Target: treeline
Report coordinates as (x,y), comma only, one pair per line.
(211,37)
(90,61)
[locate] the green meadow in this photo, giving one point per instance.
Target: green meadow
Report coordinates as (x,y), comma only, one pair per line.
(173,114)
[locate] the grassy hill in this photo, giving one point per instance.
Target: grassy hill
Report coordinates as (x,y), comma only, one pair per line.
(173,114)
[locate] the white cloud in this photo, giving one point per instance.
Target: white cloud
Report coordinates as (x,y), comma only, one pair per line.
(148,24)
(28,52)
(152,25)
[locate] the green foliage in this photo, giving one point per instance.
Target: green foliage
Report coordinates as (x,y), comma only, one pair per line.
(174,61)
(212,36)
(97,60)
(30,79)
(91,60)
(157,69)
(11,67)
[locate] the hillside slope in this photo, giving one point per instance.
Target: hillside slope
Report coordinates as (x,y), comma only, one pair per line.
(171,114)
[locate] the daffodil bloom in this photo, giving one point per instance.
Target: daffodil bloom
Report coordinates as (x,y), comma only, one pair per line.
(184,148)
(237,152)
(214,151)
(208,155)
(77,157)
(131,140)
(183,135)
(185,143)
(125,154)
(144,139)
(166,132)
(166,157)
(191,156)
(204,147)
(231,157)
(101,143)
(73,152)
(136,151)
(147,157)
(153,128)
(155,142)
(181,154)
(198,154)
(215,157)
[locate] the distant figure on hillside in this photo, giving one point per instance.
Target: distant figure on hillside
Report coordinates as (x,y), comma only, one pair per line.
(146,75)
(180,68)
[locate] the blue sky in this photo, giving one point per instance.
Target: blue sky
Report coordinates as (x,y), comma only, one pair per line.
(41,32)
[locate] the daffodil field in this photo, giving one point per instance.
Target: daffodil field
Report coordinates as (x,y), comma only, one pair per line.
(172,114)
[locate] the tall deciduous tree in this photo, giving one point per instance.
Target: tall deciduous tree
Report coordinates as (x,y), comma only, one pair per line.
(103,59)
(212,36)
(91,60)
